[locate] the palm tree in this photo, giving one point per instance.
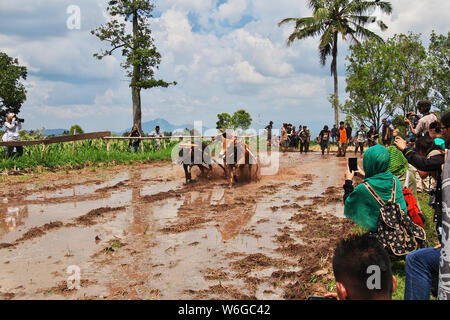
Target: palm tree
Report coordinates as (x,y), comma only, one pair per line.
(334,17)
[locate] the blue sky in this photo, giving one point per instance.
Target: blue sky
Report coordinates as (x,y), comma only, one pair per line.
(225,55)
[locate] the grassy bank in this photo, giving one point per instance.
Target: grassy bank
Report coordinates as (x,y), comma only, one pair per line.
(87,153)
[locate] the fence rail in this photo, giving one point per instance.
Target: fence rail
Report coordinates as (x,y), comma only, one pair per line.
(167,137)
(105,135)
(164,138)
(51,140)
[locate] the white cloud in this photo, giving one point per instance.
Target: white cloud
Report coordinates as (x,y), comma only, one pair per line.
(231,11)
(218,66)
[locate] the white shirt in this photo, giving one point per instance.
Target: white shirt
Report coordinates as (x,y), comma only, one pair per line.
(12,130)
(156,135)
(424,123)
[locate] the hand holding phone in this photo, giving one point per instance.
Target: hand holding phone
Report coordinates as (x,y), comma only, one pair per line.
(353,164)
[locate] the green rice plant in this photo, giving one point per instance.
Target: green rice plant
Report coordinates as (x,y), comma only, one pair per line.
(86,153)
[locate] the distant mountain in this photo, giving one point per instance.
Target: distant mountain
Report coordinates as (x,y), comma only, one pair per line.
(147,127)
(54,132)
(164,126)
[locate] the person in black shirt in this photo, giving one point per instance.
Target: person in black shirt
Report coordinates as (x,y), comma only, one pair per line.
(269,133)
(386,133)
(372,137)
(349,129)
(134,143)
(334,131)
(324,139)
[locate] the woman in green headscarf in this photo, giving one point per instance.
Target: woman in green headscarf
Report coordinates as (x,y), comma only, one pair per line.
(400,168)
(360,205)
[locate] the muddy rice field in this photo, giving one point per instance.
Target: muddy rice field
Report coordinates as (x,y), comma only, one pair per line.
(139,232)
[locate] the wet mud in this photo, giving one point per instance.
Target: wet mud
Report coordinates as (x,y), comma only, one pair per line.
(139,232)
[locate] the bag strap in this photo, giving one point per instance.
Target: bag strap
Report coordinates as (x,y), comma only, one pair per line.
(407,177)
(394,191)
(374,194)
(377,197)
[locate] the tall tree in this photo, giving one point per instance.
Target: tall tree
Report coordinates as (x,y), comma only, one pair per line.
(438,65)
(12,91)
(331,18)
(224,121)
(142,57)
(409,71)
(241,119)
(369,82)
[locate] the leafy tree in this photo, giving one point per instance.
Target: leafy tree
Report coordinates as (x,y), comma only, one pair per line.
(137,46)
(334,17)
(224,121)
(438,65)
(77,128)
(408,71)
(349,121)
(241,119)
(12,91)
(369,83)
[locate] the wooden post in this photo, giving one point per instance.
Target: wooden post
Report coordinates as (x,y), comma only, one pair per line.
(107,146)
(43,152)
(142,145)
(164,143)
(73,143)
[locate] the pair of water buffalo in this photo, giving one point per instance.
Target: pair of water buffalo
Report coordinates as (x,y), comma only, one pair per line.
(234,155)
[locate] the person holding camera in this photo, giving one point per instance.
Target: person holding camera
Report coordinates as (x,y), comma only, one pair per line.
(134,144)
(13,125)
(424,122)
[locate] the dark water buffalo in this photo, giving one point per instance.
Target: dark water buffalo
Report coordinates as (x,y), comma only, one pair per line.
(236,155)
(192,155)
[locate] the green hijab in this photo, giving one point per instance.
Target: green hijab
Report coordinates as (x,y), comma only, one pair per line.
(360,205)
(398,164)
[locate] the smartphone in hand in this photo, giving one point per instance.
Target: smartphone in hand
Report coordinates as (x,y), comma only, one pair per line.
(353,164)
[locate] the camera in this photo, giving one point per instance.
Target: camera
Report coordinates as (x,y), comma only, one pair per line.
(20,120)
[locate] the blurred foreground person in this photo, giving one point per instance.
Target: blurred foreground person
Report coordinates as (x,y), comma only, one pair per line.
(362,270)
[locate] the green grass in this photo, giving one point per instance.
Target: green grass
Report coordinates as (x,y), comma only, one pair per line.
(87,153)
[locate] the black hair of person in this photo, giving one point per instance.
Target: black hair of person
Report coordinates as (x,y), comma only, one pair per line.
(426,144)
(425,105)
(445,120)
(352,260)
